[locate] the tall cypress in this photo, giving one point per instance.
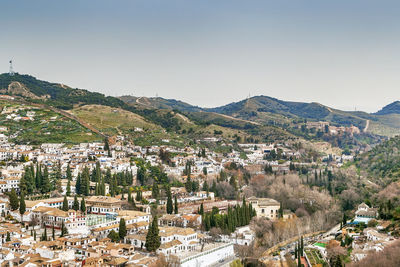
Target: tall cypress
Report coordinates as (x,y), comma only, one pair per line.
(78,184)
(201,211)
(83,205)
(68,191)
(170,207)
(22,206)
(153,238)
(175,205)
(65,204)
(122,229)
(155,191)
(13,198)
(75,205)
(69,174)
(45,186)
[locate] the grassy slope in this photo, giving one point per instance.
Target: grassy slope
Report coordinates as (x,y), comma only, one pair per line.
(43,129)
(112,120)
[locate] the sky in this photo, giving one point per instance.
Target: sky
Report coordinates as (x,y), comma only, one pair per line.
(344,53)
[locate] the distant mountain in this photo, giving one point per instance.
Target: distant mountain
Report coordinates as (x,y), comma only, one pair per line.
(249,114)
(254,105)
(393,108)
(266,110)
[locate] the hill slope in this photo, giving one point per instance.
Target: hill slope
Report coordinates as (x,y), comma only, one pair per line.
(271,111)
(393,108)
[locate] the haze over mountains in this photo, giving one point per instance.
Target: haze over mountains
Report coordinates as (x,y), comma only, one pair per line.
(257,110)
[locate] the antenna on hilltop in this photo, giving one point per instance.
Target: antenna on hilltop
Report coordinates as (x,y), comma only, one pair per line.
(11,71)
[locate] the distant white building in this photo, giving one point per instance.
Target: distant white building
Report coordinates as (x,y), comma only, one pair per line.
(265,207)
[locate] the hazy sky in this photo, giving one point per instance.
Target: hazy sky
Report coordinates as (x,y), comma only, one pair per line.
(343,54)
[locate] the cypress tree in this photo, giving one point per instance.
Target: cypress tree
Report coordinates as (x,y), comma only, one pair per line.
(201,211)
(13,198)
(78,185)
(83,205)
(188,185)
(44,236)
(34,235)
(155,191)
(8,238)
(64,230)
(122,229)
(45,186)
(38,176)
(75,205)
(170,207)
(153,238)
(69,174)
(65,204)
(68,193)
(22,206)
(53,233)
(299,256)
(301,246)
(176,205)
(85,182)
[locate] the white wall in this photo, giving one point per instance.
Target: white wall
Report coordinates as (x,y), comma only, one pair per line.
(207,258)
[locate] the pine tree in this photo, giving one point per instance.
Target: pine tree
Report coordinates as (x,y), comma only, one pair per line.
(170,207)
(65,204)
(122,229)
(22,206)
(175,205)
(8,238)
(13,198)
(75,205)
(83,205)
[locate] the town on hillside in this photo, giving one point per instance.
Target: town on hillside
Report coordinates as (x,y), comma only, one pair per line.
(114,203)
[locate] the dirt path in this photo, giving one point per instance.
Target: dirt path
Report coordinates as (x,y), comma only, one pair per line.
(236,119)
(366,127)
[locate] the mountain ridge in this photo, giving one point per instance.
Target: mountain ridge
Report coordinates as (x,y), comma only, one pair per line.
(257,110)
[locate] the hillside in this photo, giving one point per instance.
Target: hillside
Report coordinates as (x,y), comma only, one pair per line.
(382,163)
(33,125)
(160,103)
(393,108)
(112,121)
(266,110)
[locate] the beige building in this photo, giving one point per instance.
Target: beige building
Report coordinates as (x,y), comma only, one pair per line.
(265,207)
